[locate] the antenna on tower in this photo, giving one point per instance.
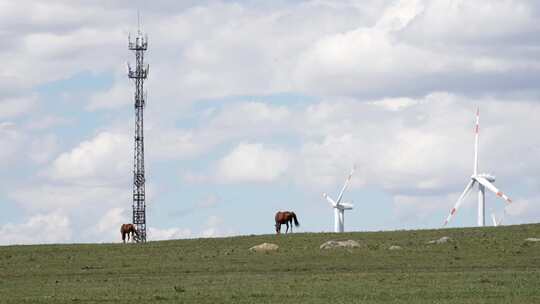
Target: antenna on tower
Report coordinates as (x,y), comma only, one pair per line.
(139,74)
(138,22)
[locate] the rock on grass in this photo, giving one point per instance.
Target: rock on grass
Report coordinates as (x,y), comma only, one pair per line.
(264,247)
(349,244)
(442,240)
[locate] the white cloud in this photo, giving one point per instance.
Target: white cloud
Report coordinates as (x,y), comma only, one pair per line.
(169,143)
(415,209)
(156,234)
(108,227)
(249,162)
(115,97)
(106,157)
(522,210)
(96,211)
(459,43)
(227,49)
(400,14)
(214,228)
(52,227)
(336,64)
(43,148)
(73,197)
(246,114)
(451,21)
(112,220)
(395,104)
(12,141)
(47,121)
(239,120)
(16,106)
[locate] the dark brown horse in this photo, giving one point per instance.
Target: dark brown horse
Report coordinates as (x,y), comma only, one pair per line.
(285,217)
(127,229)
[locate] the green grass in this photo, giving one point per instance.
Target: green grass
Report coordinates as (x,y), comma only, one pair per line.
(480,265)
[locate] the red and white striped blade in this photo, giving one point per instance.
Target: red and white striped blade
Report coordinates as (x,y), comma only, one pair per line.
(494,189)
(477,130)
(476,134)
(459,201)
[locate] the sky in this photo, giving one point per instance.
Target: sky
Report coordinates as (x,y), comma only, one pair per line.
(258,106)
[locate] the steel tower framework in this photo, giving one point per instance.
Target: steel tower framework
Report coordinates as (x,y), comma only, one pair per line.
(138,75)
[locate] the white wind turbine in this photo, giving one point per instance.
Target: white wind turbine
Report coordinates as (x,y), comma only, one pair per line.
(339,207)
(484,181)
(497,222)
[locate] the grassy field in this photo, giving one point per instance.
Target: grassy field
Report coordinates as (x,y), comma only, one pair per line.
(487,265)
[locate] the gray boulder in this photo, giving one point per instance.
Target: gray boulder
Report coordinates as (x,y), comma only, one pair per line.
(349,244)
(443,240)
(264,247)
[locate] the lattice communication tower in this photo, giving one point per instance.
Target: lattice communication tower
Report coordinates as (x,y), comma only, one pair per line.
(138,75)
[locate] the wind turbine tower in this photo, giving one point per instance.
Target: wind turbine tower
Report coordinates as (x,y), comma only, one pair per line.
(138,75)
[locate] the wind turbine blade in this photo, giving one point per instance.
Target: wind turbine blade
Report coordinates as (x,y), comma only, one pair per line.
(494,189)
(347,181)
(502,217)
(459,201)
(329,199)
(476,131)
(494,219)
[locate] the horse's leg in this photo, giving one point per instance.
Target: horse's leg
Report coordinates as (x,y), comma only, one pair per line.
(287,231)
(124,237)
(291,226)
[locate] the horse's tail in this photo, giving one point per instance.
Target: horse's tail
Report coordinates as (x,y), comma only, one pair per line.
(123,233)
(296,223)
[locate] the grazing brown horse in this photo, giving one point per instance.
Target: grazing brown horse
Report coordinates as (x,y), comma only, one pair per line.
(127,229)
(285,217)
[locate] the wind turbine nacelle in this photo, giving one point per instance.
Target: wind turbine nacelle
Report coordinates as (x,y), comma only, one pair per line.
(345,206)
(487,176)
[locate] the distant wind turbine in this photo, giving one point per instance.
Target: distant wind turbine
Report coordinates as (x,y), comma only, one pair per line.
(497,222)
(339,207)
(483,180)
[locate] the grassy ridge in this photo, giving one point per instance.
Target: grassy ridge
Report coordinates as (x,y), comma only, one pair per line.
(487,265)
